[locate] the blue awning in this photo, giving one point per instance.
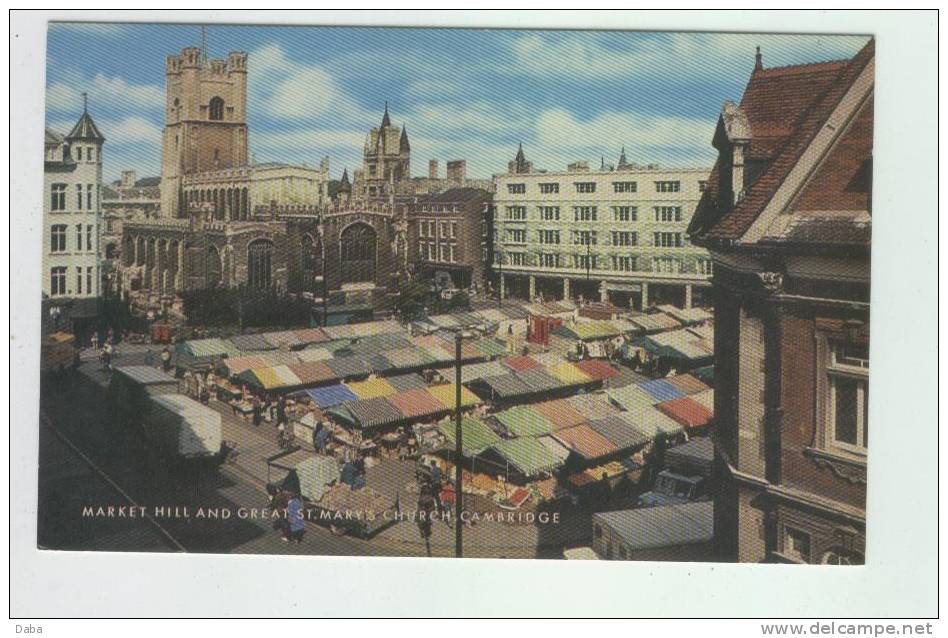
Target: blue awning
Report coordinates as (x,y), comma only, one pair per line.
(330,395)
(661,390)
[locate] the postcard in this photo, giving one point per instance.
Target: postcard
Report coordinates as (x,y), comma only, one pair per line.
(481,293)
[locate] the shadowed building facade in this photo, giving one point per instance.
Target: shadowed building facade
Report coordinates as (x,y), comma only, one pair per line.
(787,220)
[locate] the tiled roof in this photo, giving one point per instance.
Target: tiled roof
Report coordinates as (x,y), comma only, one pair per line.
(787,107)
(85,129)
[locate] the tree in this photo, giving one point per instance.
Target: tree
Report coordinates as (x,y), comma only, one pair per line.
(412,297)
(460,300)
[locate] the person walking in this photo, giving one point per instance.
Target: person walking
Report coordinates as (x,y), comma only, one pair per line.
(281,411)
(436,478)
(257,411)
(296,526)
(149,358)
(166,359)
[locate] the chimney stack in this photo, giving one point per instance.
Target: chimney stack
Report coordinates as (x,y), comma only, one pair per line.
(433,169)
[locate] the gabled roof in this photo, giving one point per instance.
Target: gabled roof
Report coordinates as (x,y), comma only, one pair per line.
(85,129)
(785,107)
(52,137)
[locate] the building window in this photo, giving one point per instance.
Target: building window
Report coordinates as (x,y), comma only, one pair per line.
(451,253)
(454,230)
(667,240)
(584,238)
(625,213)
(668,187)
(552,187)
(90,154)
(441,252)
(516,189)
(78,280)
(517,259)
(705,267)
(585,262)
(668,213)
(216,109)
(516,236)
(666,265)
(623,263)
(625,187)
(58,197)
(548,236)
(702,185)
(549,260)
(89,237)
(89,280)
(79,196)
(796,544)
(597,531)
(550,213)
(444,229)
(78,237)
(517,213)
(848,375)
(57,238)
(624,238)
(89,196)
(259,264)
(585,187)
(584,213)
(57,281)
(79,153)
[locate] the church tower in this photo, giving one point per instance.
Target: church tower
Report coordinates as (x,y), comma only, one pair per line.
(386,159)
(205,120)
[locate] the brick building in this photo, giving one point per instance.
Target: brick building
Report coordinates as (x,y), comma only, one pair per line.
(449,233)
(787,220)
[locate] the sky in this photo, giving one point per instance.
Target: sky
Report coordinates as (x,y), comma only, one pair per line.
(471,94)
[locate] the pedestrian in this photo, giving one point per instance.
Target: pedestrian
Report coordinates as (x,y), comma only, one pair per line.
(166,359)
(281,411)
(436,484)
(95,341)
(320,437)
(149,358)
(107,355)
(296,526)
(257,411)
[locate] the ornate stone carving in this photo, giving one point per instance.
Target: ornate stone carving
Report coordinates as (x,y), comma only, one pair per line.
(851,471)
(772,282)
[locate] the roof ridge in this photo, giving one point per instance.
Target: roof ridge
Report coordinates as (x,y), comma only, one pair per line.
(801,137)
(805,66)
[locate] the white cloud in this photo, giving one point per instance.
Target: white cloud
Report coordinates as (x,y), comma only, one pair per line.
(102,90)
(647,138)
(286,89)
(131,130)
(675,57)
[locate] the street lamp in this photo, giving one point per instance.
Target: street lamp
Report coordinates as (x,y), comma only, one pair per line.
(459,336)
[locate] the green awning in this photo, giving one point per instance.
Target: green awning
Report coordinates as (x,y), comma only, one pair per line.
(524,421)
(528,455)
(475,434)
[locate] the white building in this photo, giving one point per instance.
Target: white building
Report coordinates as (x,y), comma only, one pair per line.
(72,179)
(613,234)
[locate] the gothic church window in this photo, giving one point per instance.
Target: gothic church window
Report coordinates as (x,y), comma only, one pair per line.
(259,264)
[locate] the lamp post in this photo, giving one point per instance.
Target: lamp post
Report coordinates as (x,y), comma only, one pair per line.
(458,336)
